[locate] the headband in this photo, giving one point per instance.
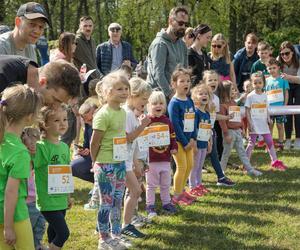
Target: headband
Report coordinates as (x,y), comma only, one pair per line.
(3,102)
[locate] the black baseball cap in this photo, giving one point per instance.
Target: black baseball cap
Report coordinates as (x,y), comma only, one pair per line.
(33,10)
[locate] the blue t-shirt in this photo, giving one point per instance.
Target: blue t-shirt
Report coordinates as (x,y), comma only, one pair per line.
(201,117)
(277,83)
(176,109)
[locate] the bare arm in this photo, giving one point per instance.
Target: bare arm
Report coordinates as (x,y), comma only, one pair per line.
(95,143)
(145,121)
(286,97)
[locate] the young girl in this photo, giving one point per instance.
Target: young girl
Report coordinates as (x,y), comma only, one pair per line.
(19,106)
(259,119)
(201,95)
(231,129)
(51,151)
(211,79)
(159,173)
(29,137)
(220,56)
(137,101)
(182,115)
(108,152)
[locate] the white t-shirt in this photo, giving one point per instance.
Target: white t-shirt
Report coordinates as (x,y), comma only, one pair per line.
(216,103)
(258,105)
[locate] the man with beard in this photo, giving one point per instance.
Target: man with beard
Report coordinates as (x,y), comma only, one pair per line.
(168,51)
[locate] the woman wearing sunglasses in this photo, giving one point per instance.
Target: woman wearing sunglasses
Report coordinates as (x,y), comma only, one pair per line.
(220,56)
(291,72)
(197,58)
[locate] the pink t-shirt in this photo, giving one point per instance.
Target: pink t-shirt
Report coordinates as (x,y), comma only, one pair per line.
(31,188)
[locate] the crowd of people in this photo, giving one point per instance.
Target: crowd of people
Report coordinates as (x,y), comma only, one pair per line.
(140,121)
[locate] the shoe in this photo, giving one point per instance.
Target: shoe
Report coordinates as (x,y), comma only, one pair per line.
(225,182)
(110,244)
(287,144)
(131,231)
(297,144)
(151,211)
(279,165)
(279,146)
(140,221)
(196,192)
(169,208)
(189,197)
(254,172)
(123,240)
(91,206)
(202,188)
(261,144)
(181,200)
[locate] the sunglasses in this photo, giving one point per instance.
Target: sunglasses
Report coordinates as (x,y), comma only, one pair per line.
(285,53)
(219,46)
(115,29)
(181,23)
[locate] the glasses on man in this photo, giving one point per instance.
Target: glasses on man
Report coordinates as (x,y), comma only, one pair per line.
(117,29)
(181,23)
(285,53)
(219,46)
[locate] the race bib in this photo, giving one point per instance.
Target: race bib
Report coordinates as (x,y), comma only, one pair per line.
(259,110)
(120,152)
(204,132)
(143,141)
(236,110)
(159,135)
(275,95)
(60,179)
(189,120)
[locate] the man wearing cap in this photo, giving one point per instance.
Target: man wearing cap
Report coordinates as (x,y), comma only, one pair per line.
(168,51)
(29,26)
(112,54)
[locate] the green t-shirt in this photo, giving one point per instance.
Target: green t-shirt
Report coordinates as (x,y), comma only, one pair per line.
(14,163)
(259,66)
(48,153)
(113,123)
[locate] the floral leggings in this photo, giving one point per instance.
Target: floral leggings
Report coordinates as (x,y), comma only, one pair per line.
(111,180)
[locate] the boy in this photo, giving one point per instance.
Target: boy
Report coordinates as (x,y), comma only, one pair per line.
(263,51)
(278,95)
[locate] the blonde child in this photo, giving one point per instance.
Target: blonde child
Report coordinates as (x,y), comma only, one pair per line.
(211,79)
(108,151)
(182,115)
(220,56)
(136,103)
(232,129)
(159,173)
(259,120)
(201,95)
(51,151)
(19,107)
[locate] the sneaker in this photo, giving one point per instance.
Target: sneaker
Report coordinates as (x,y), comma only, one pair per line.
(297,144)
(189,197)
(279,165)
(279,146)
(151,211)
(169,208)
(91,206)
(131,231)
(287,144)
(123,240)
(202,188)
(225,182)
(196,192)
(254,172)
(261,144)
(110,244)
(181,200)
(140,221)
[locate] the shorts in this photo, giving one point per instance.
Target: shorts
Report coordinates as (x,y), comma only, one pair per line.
(279,119)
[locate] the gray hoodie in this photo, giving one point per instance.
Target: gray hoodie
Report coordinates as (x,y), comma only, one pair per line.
(163,57)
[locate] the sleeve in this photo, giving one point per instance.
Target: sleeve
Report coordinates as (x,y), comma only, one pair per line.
(132,59)
(253,68)
(172,136)
(20,163)
(194,134)
(286,85)
(236,64)
(158,56)
(248,102)
(100,122)
(130,126)
(38,159)
(223,124)
(98,58)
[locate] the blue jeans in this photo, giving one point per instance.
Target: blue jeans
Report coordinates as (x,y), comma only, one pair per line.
(81,168)
(37,222)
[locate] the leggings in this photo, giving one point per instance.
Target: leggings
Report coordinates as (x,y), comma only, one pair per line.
(195,178)
(219,139)
(58,231)
(294,99)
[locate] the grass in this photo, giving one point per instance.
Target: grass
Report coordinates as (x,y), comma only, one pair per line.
(260,213)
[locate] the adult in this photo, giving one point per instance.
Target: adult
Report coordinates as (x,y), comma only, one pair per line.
(197,58)
(4,29)
(42,47)
(86,46)
(244,59)
(112,54)
(56,81)
(188,37)
(291,72)
(30,23)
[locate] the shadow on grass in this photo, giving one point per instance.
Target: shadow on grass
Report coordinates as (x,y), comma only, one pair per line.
(81,196)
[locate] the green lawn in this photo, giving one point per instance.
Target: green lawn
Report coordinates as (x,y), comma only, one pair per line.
(261,213)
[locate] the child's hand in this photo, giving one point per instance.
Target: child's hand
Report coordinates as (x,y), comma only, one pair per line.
(209,147)
(9,236)
(188,146)
(228,139)
(83,151)
(138,170)
(144,120)
(70,202)
(270,121)
(231,116)
(173,151)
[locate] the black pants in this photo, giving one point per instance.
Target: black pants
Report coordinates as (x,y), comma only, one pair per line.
(294,99)
(58,231)
(219,139)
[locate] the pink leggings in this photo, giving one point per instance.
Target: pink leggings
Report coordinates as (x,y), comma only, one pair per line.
(268,140)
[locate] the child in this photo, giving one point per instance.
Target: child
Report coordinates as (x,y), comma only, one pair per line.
(19,107)
(29,137)
(211,79)
(263,51)
(201,95)
(277,90)
(51,151)
(108,152)
(231,129)
(182,115)
(159,173)
(220,56)
(258,119)
(137,101)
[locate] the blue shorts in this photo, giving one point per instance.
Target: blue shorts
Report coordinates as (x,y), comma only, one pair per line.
(279,118)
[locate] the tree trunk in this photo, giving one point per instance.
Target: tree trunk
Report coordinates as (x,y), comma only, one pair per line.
(2,11)
(232,26)
(98,19)
(62,15)
(79,11)
(51,30)
(86,8)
